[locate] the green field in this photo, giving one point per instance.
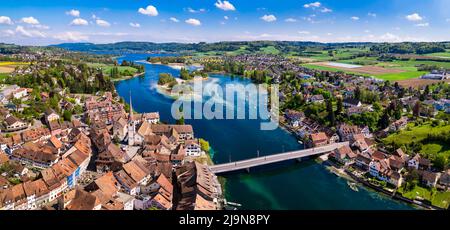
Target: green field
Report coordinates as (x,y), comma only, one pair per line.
(323,55)
(400,76)
(440,199)
(389,76)
(326,68)
(270,50)
(106,69)
(441,54)
(414,63)
(3,76)
(416,133)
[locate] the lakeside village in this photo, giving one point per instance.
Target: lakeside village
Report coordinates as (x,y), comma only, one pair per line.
(78,151)
(390,128)
(65,144)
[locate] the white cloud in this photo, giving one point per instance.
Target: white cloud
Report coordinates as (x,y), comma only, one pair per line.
(5,20)
(225,17)
(366,31)
(329,34)
(190,10)
(193,21)
(415,17)
(269,18)
(290,20)
(71,36)
(135,25)
(303,32)
(447,20)
(150,11)
(39,26)
(173,19)
(102,23)
(388,37)
(75,13)
(79,22)
(312,5)
(354,18)
(326,10)
(426,24)
(372,14)
(225,5)
(29,33)
(30,20)
(7,33)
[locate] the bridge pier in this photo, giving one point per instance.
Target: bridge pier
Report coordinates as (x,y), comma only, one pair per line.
(298,160)
(247,170)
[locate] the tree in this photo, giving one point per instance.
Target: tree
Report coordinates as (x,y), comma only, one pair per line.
(180,121)
(67,115)
(357,93)
(331,116)
(384,120)
(340,106)
(204,145)
(440,162)
(416,109)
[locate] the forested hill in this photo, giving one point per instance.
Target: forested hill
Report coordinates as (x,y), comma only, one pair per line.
(255,46)
(286,46)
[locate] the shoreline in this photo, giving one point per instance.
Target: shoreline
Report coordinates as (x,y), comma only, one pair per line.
(349,176)
(128,77)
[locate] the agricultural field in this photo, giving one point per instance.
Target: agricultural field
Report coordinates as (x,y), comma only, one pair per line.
(324,55)
(445,54)
(8,67)
(392,74)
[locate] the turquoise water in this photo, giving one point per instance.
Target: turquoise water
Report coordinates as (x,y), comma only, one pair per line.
(288,185)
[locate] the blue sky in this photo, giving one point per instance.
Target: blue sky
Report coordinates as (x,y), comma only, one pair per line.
(33,22)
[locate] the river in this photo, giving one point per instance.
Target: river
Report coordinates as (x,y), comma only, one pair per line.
(285,186)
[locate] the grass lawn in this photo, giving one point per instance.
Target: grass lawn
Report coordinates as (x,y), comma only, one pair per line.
(107,68)
(440,199)
(436,148)
(415,133)
(418,134)
(417,193)
(3,76)
(401,76)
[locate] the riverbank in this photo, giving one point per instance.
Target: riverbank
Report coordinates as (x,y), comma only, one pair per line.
(309,183)
(128,77)
(345,173)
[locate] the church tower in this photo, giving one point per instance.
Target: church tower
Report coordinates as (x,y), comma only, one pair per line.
(131,125)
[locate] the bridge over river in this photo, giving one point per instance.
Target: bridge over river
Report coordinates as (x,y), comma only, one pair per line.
(249,163)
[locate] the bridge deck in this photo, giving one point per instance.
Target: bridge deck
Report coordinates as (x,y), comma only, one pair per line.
(249,163)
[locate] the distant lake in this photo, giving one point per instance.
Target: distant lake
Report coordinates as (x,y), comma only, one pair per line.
(289,185)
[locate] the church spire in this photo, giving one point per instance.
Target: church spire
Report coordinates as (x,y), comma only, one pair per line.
(131,125)
(131,109)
